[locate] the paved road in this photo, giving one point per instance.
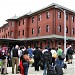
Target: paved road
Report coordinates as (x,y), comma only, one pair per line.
(69,71)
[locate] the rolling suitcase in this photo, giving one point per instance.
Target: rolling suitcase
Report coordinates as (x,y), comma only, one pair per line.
(51,70)
(59,70)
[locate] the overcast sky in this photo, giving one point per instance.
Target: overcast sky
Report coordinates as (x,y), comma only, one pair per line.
(10,8)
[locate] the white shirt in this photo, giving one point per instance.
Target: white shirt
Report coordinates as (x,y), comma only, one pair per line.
(44,51)
(53,52)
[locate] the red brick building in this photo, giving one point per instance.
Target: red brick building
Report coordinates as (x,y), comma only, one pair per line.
(44,27)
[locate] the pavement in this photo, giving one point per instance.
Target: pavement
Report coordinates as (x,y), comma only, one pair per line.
(69,71)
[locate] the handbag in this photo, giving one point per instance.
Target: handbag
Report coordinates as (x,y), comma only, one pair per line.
(31,61)
(54,55)
(62,56)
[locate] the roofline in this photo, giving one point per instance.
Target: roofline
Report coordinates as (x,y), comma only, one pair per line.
(48,7)
(53,5)
(53,36)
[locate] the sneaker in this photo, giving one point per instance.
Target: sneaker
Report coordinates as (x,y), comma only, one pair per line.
(7,73)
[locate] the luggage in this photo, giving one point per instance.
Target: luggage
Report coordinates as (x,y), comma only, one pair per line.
(59,70)
(51,70)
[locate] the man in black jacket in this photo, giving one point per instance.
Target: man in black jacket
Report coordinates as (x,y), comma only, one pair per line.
(69,54)
(15,59)
(37,56)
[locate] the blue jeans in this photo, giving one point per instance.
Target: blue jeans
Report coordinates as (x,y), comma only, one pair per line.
(26,66)
(60,62)
(45,69)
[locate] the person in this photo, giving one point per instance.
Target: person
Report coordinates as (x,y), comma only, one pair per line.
(15,59)
(4,60)
(37,56)
(22,49)
(30,51)
(54,55)
(69,54)
(47,59)
(59,53)
(25,61)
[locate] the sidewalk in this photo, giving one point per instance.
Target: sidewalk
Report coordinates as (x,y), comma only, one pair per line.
(69,71)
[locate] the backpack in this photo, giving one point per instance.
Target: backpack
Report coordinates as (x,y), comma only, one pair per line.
(70,51)
(59,70)
(3,54)
(47,56)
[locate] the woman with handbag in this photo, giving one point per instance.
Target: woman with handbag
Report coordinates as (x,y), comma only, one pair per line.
(54,55)
(25,61)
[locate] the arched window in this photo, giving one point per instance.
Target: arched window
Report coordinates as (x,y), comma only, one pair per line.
(47,28)
(47,14)
(59,14)
(32,31)
(72,30)
(66,29)
(59,28)
(39,30)
(18,33)
(39,17)
(23,32)
(11,33)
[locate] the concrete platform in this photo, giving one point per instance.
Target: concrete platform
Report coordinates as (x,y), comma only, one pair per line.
(69,71)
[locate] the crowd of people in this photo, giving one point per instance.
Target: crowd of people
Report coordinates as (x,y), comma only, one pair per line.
(20,56)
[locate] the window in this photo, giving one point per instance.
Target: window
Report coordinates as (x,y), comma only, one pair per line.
(23,32)
(2,29)
(39,30)
(18,33)
(59,28)
(4,36)
(32,31)
(39,17)
(59,14)
(32,19)
(47,15)
(23,21)
(19,23)
(66,29)
(11,33)
(8,33)
(12,24)
(47,28)
(72,18)
(72,30)
(66,16)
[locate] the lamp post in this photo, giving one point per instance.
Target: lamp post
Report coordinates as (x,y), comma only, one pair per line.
(64,31)
(64,11)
